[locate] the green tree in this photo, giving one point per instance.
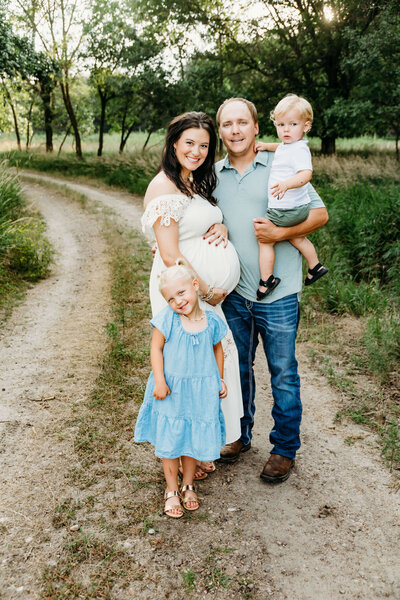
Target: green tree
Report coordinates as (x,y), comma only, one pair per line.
(298,46)
(107,38)
(44,72)
(116,48)
(376,60)
(59,24)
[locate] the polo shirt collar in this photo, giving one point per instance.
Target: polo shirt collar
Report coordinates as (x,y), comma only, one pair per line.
(261,158)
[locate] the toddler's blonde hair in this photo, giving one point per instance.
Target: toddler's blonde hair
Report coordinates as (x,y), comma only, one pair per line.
(180,270)
(293,101)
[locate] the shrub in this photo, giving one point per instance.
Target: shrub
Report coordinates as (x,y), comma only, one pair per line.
(27,250)
(24,250)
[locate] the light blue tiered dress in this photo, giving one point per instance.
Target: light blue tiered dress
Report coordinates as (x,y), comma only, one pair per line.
(189,421)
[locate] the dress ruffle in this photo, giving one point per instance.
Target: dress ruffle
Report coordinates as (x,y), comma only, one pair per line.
(167,206)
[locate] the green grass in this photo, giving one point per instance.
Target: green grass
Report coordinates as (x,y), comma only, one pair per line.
(89,143)
(361,247)
(131,172)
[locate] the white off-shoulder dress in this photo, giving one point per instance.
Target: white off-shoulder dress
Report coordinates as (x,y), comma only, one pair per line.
(216,265)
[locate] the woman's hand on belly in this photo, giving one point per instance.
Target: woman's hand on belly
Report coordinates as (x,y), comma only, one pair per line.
(217,234)
(219,295)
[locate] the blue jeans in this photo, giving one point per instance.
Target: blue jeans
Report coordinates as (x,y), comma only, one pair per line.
(276,323)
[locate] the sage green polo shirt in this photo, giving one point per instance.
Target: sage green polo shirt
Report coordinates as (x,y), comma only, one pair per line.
(243,198)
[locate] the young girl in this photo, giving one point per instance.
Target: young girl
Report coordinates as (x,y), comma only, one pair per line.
(288,200)
(181,413)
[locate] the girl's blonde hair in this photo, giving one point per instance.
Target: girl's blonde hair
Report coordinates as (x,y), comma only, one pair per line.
(180,270)
(293,101)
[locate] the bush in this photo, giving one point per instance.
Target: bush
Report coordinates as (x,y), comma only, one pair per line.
(24,250)
(27,251)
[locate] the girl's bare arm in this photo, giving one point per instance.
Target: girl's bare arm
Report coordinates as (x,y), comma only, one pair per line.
(161,388)
(168,246)
(219,357)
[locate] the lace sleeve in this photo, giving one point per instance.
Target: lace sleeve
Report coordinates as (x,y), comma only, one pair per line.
(168,206)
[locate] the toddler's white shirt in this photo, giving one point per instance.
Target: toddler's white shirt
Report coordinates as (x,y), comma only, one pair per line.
(289,159)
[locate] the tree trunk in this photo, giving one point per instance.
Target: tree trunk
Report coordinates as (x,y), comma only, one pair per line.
(72,117)
(103,102)
(124,138)
(28,128)
(14,114)
(48,118)
(147,140)
(65,137)
(397,145)
(328,144)
(123,141)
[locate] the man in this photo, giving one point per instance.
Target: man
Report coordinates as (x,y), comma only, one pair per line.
(242,194)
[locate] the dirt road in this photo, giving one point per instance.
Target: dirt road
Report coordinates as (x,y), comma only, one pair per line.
(331,531)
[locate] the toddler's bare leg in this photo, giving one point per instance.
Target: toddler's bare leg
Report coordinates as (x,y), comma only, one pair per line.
(315,269)
(306,248)
(267,261)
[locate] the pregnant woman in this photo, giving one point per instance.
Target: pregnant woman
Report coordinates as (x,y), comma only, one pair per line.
(179,209)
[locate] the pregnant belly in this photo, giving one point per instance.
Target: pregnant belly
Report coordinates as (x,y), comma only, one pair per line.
(218,266)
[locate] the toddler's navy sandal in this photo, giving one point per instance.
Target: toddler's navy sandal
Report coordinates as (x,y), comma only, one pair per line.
(317,272)
(270,284)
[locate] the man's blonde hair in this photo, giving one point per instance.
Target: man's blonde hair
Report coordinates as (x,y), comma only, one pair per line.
(180,270)
(293,101)
(250,106)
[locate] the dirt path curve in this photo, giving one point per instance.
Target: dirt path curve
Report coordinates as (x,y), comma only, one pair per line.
(331,531)
(49,351)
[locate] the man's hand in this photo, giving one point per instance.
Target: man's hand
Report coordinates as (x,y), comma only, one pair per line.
(266,232)
(218,234)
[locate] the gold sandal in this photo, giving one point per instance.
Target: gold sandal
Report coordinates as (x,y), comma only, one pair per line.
(167,511)
(191,497)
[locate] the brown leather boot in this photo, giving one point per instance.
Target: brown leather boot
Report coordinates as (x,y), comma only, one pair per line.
(230,452)
(277,468)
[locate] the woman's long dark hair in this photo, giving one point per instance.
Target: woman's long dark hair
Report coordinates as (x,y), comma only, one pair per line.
(204,178)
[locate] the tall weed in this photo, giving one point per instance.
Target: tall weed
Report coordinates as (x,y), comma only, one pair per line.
(24,249)
(10,195)
(361,247)
(381,341)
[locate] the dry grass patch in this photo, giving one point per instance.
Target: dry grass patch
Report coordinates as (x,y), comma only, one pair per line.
(348,170)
